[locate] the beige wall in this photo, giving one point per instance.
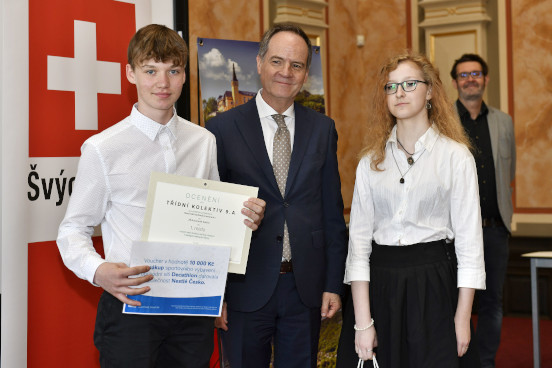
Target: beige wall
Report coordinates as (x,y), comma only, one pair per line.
(352,70)
(531,84)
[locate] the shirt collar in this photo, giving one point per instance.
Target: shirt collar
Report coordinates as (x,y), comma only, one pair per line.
(150,127)
(265,110)
(426,141)
(462,111)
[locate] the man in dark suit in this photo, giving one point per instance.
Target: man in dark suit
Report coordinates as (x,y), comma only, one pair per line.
(282,296)
(492,133)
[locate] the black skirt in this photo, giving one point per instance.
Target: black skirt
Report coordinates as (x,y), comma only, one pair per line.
(413,298)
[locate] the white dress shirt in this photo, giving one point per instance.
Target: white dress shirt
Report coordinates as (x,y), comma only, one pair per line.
(112,181)
(270,126)
(438,200)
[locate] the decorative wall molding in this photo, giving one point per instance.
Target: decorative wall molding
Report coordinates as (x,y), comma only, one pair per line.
(465,21)
(451,28)
(307,13)
(446,12)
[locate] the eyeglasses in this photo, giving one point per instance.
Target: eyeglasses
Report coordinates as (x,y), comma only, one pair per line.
(407,86)
(475,75)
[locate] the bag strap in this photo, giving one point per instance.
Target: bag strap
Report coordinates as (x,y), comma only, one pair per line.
(361,363)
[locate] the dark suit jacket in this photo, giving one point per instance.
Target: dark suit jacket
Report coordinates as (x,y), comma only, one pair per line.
(312,205)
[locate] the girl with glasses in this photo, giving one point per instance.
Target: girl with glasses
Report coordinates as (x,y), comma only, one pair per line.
(415,249)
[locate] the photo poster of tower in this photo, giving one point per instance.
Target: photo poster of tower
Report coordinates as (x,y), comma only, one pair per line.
(228,76)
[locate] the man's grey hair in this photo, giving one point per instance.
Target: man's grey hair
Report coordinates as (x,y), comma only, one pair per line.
(284,27)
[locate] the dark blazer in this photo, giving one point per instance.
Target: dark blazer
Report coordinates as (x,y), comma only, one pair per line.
(312,205)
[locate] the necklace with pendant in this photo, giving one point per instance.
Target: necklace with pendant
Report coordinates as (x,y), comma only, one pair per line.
(411,164)
(410,160)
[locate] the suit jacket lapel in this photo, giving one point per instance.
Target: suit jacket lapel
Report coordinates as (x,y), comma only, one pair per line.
(492,121)
(300,142)
(252,132)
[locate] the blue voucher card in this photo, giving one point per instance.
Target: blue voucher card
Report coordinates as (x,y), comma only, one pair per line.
(188,279)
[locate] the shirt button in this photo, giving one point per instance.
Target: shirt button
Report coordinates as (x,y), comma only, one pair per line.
(286,205)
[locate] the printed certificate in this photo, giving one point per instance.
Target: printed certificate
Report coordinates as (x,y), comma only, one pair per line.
(187,279)
(198,211)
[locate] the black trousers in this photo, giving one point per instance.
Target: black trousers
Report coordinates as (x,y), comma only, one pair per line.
(413,297)
(138,341)
(489,312)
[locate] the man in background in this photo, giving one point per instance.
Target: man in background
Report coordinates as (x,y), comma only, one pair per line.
(492,135)
(297,257)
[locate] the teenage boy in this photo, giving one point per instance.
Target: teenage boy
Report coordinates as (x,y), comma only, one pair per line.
(111,188)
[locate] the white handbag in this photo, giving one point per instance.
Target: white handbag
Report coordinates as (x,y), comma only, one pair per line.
(361,363)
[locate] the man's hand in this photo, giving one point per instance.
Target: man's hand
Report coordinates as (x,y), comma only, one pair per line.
(114,278)
(254,209)
(222,321)
(331,303)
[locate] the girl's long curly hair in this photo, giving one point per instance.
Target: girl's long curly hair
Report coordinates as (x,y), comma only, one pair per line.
(442,114)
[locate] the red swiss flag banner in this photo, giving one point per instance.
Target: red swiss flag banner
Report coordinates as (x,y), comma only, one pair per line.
(77,88)
(77,58)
